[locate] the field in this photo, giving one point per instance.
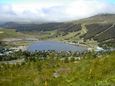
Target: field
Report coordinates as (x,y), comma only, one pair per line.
(89,71)
(9,33)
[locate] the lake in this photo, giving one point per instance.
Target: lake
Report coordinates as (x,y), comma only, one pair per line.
(57,46)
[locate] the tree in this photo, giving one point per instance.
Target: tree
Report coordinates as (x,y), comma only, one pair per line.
(72,59)
(66,60)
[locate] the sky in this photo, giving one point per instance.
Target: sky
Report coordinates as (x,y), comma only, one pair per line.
(53,10)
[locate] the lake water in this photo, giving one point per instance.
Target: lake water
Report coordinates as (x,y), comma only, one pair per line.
(57,46)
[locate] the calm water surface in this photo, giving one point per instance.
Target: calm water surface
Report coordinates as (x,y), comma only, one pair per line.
(57,46)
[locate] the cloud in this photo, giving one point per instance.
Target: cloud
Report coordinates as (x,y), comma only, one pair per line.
(54,10)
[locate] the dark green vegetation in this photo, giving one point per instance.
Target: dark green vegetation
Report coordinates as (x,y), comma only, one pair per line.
(94,30)
(38,55)
(101,32)
(48,69)
(31,27)
(100,28)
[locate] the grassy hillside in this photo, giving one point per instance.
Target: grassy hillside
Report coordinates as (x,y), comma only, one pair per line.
(99,18)
(9,33)
(11,38)
(99,28)
(90,71)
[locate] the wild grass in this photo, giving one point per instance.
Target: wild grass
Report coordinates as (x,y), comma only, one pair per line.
(9,33)
(90,71)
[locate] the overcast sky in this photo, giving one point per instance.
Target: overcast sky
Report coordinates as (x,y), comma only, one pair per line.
(53,10)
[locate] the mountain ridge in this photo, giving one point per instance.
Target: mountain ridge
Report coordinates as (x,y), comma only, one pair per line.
(96,27)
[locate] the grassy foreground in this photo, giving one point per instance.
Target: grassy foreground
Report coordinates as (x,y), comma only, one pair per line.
(90,71)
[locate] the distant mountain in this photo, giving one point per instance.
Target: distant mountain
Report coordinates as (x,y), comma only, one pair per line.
(30,26)
(99,27)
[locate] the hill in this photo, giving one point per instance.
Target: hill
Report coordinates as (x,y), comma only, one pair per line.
(100,18)
(9,33)
(99,27)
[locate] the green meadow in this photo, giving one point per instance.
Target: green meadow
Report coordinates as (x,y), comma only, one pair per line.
(91,70)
